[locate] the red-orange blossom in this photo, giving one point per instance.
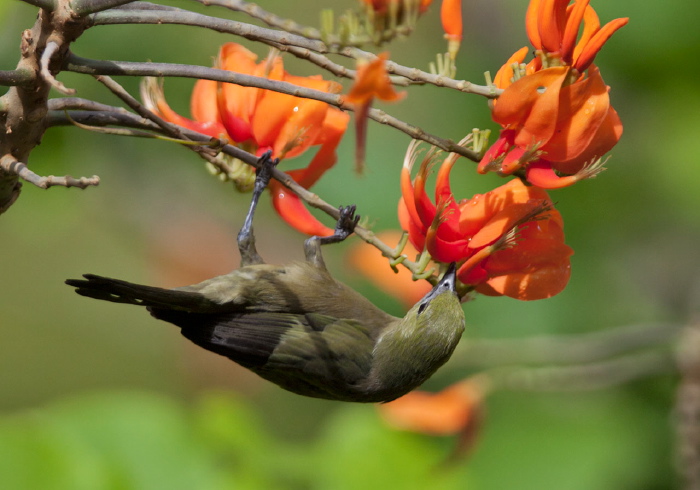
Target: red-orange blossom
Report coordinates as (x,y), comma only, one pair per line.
(258,120)
(555,112)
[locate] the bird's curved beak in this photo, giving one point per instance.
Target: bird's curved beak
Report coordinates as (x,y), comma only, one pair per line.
(449,279)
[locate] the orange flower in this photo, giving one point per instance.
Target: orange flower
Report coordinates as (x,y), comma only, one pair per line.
(456,410)
(446,412)
(369,261)
(508,241)
(258,120)
(372,80)
(451,17)
(553,26)
(556,117)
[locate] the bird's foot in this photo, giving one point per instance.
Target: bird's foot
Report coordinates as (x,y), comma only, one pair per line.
(246,238)
(345,226)
(264,174)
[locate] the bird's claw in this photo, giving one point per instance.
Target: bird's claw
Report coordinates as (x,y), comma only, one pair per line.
(265,167)
(347,221)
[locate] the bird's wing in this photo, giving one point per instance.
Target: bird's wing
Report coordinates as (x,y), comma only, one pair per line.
(300,352)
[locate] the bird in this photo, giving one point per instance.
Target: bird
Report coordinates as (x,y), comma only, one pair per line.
(297,326)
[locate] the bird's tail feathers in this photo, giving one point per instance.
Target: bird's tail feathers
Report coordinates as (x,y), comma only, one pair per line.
(118,291)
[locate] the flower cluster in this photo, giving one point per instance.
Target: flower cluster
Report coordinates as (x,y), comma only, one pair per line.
(555,111)
(557,124)
(508,241)
(258,120)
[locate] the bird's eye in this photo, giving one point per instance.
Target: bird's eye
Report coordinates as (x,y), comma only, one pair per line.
(422,307)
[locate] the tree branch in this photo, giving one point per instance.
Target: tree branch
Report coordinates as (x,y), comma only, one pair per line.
(172,15)
(11,78)
(148,13)
(566,349)
(51,49)
(593,376)
(86,7)
(268,18)
(12,166)
(95,67)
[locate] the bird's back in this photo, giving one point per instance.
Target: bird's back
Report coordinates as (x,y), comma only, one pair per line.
(298,287)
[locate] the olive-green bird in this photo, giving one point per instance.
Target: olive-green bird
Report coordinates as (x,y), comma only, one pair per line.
(298,327)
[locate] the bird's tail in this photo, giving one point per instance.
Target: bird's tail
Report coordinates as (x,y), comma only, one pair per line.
(118,291)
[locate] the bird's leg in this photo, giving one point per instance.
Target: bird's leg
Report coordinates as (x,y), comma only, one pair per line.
(344,227)
(246,238)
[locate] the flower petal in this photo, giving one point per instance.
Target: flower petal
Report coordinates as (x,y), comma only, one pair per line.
(573,23)
(451,17)
(583,107)
(596,43)
(332,131)
(372,80)
(292,210)
(531,105)
(551,22)
(533,269)
(504,76)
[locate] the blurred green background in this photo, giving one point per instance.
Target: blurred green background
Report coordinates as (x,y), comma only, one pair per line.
(101,396)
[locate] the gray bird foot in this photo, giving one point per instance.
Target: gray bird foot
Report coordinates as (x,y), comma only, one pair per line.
(345,226)
(264,173)
(246,238)
(347,221)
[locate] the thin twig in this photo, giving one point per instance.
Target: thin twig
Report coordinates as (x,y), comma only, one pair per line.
(10,165)
(147,13)
(117,116)
(77,103)
(97,67)
(140,109)
(170,129)
(419,76)
(51,48)
(172,15)
(332,67)
(565,349)
(86,7)
(593,376)
(268,18)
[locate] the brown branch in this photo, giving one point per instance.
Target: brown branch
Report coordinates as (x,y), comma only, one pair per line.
(96,67)
(77,103)
(268,18)
(172,15)
(51,48)
(335,68)
(12,166)
(86,7)
(10,78)
(24,107)
(147,13)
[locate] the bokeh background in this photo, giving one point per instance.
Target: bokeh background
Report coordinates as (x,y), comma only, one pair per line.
(100,396)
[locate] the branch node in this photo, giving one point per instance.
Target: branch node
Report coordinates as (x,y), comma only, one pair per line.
(51,48)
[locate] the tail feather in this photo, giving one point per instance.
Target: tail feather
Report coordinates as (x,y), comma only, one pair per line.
(118,291)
